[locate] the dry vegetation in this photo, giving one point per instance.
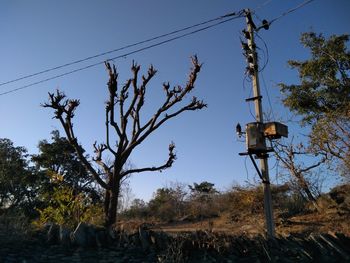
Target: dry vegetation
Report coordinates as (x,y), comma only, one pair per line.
(240,211)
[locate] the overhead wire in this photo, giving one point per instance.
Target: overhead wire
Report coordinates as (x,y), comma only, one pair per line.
(263,4)
(232,15)
(123,55)
(266,52)
(291,10)
(262,75)
(117,49)
(268,96)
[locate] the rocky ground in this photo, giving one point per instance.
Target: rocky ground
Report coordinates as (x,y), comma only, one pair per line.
(145,245)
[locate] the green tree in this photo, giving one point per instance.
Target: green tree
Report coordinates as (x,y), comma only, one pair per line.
(138,209)
(325,84)
(18,182)
(123,116)
(323,96)
(162,204)
(66,207)
(202,199)
(59,162)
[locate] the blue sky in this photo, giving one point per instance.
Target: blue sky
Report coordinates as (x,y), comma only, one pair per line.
(38,34)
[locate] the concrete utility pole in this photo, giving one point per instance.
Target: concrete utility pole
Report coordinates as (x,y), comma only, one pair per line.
(254,71)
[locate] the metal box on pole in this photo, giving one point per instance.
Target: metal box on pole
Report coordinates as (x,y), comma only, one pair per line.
(275,130)
(255,137)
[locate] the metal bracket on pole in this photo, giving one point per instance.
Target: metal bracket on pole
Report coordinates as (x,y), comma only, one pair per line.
(254,98)
(256,167)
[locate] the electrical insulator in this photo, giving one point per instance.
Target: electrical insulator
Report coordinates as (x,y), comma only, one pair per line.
(246,34)
(250,59)
(265,24)
(245,46)
(250,70)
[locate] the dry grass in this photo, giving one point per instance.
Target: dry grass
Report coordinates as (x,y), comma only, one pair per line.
(328,221)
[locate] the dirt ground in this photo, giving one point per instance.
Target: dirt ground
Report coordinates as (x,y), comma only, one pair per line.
(304,224)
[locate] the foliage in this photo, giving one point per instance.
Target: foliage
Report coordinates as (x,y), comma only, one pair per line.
(324,78)
(202,200)
(69,208)
(137,210)
(204,189)
(293,205)
(58,159)
(330,136)
(18,182)
(16,226)
(322,98)
(244,201)
(163,204)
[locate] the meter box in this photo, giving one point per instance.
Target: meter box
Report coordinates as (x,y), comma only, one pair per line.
(255,137)
(275,130)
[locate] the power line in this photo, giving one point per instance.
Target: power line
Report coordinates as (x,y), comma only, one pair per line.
(120,56)
(117,49)
(266,52)
(291,10)
(232,15)
(268,96)
(263,4)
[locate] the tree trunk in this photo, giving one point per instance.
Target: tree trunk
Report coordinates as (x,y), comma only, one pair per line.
(111,204)
(305,188)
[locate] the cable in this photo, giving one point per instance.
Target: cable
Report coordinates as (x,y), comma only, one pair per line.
(268,96)
(262,76)
(291,10)
(246,168)
(238,15)
(117,49)
(266,50)
(120,56)
(263,4)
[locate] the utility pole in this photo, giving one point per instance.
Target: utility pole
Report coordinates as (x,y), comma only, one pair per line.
(253,70)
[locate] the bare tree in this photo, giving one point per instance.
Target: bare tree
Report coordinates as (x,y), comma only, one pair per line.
(125,196)
(123,116)
(288,154)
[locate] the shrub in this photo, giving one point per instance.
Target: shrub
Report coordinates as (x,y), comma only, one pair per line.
(69,208)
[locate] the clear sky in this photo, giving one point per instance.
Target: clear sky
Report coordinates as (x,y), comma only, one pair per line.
(40,34)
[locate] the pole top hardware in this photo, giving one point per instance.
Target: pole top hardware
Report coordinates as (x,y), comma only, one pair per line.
(254,98)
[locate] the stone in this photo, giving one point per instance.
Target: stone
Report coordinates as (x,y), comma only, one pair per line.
(53,234)
(144,238)
(80,235)
(91,235)
(64,236)
(101,238)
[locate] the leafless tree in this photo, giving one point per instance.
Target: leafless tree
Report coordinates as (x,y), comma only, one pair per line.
(289,154)
(123,117)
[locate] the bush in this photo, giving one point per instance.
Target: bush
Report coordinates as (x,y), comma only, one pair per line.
(245,201)
(69,208)
(294,204)
(14,226)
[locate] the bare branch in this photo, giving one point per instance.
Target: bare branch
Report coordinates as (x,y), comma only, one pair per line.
(98,150)
(112,88)
(107,134)
(173,97)
(64,111)
(168,164)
